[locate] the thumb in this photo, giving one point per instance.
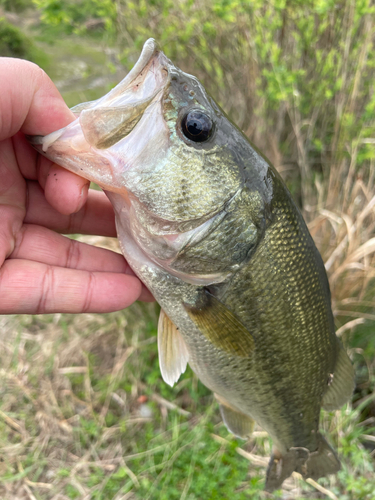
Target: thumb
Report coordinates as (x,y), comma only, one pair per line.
(29,101)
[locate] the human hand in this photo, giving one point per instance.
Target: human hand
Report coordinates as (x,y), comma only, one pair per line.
(42,271)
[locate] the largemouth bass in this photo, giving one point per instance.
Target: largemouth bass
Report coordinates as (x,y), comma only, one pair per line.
(209,226)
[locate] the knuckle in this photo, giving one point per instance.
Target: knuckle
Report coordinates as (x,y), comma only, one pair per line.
(19,238)
(46,291)
(89,292)
(73,256)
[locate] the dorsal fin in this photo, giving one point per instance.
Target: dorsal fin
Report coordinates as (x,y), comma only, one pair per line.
(173,352)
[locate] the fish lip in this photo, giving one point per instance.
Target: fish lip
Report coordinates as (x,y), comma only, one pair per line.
(150,48)
(151,51)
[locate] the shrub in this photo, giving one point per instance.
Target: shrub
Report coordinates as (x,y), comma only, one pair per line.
(13,43)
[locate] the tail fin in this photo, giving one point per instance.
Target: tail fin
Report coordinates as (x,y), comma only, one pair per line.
(314,464)
(321,462)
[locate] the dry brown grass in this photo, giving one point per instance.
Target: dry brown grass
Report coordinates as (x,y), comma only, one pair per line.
(344,234)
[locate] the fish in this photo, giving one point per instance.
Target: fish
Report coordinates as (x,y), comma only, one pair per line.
(208,225)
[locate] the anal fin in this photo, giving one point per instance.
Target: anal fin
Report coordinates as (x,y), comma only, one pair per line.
(173,352)
(341,385)
(236,422)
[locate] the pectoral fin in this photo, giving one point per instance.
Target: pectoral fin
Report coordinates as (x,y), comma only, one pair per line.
(173,352)
(219,325)
(341,384)
(236,422)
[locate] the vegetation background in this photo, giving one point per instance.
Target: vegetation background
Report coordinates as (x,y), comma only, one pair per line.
(84,413)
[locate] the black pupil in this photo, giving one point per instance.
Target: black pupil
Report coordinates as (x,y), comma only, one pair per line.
(197,126)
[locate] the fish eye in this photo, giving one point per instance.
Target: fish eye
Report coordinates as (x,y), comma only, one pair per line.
(197,126)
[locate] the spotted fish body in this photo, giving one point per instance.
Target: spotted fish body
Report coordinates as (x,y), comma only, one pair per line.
(210,228)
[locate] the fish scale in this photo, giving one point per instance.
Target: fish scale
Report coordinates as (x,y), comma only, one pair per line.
(208,225)
(314,330)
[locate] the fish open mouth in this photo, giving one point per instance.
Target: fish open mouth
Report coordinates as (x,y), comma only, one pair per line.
(83,146)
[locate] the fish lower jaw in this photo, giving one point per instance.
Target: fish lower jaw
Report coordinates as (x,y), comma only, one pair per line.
(163,249)
(144,263)
(150,261)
